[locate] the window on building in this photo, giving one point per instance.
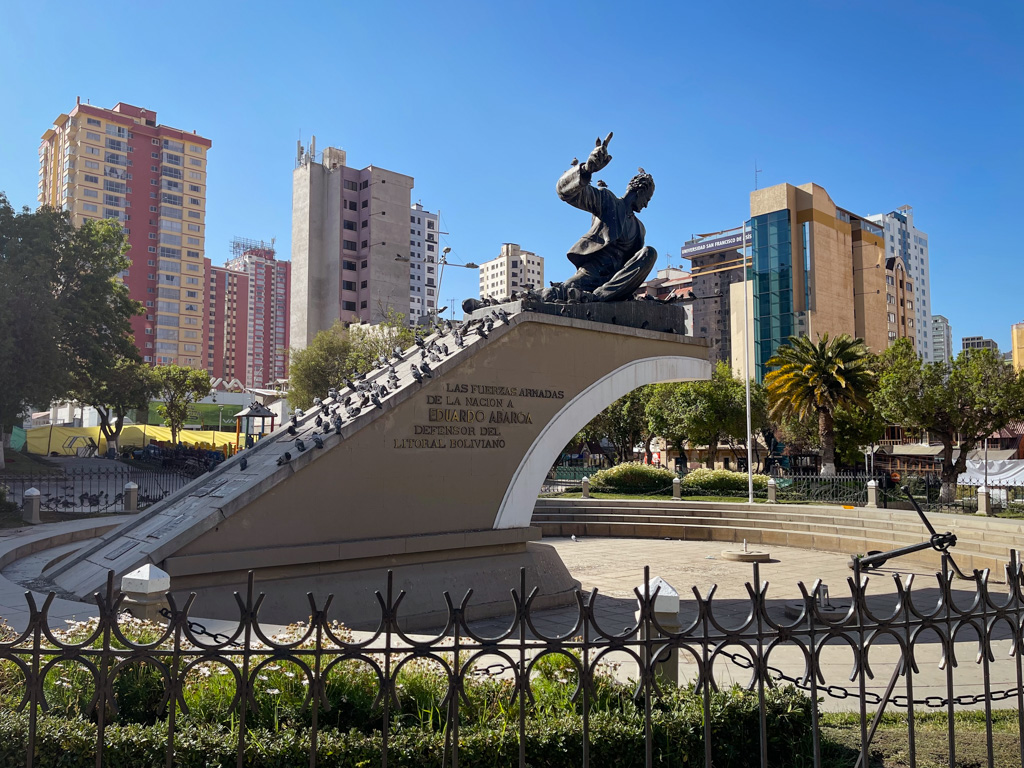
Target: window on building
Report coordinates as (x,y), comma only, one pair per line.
(348,245)
(350,265)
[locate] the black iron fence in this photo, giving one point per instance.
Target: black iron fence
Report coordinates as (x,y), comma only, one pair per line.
(849,489)
(393,722)
(86,490)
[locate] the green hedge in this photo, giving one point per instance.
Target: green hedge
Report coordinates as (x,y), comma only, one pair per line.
(632,477)
(721,480)
(616,739)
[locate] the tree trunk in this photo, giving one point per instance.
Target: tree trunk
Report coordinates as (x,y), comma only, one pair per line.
(712,452)
(647,448)
(827,435)
(951,470)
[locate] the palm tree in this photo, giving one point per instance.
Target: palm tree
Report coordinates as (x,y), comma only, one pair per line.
(814,380)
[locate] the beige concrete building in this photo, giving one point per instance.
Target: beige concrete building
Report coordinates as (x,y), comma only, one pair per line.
(1017,342)
(816,269)
(513,270)
(350,252)
(899,299)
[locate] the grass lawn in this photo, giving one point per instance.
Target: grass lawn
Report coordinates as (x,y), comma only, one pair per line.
(26,464)
(657,497)
(841,740)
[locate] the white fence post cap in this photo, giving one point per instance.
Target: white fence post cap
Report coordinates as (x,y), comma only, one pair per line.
(130,486)
(667,599)
(771,481)
(146,580)
(31,493)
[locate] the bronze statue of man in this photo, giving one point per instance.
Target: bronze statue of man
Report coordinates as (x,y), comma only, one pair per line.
(611,259)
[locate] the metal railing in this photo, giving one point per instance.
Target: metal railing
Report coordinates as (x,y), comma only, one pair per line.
(711,650)
(81,490)
(845,488)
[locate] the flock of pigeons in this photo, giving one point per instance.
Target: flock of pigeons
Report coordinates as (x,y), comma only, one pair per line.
(391,374)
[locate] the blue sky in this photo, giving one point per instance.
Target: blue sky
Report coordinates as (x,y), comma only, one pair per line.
(485,104)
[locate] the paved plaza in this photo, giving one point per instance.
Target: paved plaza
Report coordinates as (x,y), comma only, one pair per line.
(615,566)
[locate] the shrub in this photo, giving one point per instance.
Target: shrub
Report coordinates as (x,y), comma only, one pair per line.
(6,507)
(632,477)
(721,480)
(616,738)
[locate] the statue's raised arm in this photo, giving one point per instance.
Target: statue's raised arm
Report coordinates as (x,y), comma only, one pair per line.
(599,157)
(611,259)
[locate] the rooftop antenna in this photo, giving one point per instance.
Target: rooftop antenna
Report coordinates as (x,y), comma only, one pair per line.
(756,171)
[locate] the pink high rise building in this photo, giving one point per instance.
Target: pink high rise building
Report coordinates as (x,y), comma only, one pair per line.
(248,316)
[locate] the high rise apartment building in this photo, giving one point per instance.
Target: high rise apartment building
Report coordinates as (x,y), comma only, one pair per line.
(909,244)
(121,164)
(267,314)
(424,247)
(899,300)
(969,343)
(1017,346)
(716,264)
(248,306)
(816,269)
(942,340)
(350,257)
(227,340)
(512,271)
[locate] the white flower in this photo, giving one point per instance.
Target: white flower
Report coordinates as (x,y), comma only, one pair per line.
(273,691)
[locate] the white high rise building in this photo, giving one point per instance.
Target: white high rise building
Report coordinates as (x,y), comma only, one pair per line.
(906,241)
(424,231)
(942,340)
(513,270)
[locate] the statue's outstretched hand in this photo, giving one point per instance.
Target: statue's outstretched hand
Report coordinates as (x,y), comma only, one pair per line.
(599,157)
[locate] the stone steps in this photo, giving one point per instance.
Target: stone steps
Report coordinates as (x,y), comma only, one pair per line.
(981,542)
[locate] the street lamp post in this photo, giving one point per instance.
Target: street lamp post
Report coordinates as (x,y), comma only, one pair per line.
(746,367)
(443,262)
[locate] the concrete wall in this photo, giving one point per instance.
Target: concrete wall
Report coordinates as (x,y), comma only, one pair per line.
(394,478)
(389,247)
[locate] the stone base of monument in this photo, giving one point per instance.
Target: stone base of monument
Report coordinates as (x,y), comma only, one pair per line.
(490,571)
(640,313)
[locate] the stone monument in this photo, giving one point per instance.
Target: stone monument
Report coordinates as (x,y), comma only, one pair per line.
(430,464)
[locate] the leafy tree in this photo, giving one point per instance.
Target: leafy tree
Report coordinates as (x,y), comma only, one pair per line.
(969,399)
(813,380)
(64,310)
(624,424)
(180,387)
(341,351)
(706,412)
(855,428)
(127,385)
(320,366)
(370,342)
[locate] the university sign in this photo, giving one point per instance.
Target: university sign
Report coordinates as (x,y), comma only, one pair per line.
(714,245)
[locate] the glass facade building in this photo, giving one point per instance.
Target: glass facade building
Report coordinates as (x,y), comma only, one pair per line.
(775,315)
